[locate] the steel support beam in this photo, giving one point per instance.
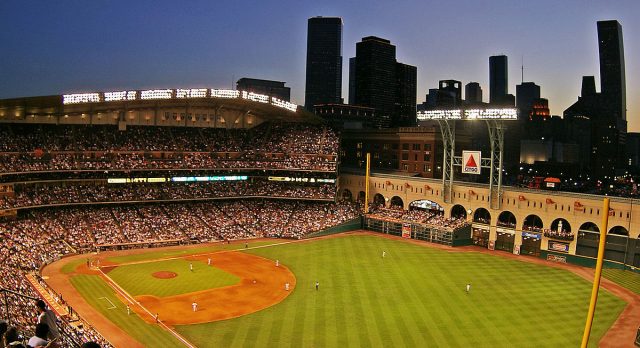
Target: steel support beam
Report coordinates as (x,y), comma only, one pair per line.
(496,137)
(448,130)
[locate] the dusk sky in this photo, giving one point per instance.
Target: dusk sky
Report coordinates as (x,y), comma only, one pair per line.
(56,47)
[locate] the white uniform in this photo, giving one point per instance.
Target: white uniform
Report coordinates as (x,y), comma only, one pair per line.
(468,287)
(286,286)
(194,305)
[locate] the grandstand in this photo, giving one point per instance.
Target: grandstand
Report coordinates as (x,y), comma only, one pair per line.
(98,171)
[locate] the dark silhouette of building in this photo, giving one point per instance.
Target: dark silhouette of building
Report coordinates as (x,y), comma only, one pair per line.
(267,87)
(352,80)
(526,94)
(498,79)
(406,88)
(597,121)
(344,116)
(473,93)
(383,83)
(612,75)
(452,93)
(409,150)
(324,62)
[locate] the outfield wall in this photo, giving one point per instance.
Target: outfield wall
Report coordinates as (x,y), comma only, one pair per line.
(347,226)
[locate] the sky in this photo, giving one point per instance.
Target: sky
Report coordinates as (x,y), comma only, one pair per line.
(57,47)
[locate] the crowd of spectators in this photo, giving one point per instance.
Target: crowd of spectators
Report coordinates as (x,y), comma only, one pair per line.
(531,228)
(41,236)
(559,234)
(433,218)
(78,192)
(34,148)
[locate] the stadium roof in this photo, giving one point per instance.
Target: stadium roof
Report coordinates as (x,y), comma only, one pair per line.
(215,100)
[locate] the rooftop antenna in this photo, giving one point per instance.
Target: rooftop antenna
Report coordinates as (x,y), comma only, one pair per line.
(522,76)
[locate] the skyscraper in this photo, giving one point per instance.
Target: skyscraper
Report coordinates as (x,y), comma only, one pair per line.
(612,75)
(406,87)
(473,93)
(324,61)
(498,79)
(526,94)
(383,83)
(597,121)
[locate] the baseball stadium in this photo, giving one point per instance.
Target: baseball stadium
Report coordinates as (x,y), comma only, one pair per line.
(223,218)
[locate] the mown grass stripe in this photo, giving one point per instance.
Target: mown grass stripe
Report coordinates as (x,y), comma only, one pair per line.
(421,289)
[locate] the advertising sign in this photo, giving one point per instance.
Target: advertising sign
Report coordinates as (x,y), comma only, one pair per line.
(557,258)
(558,246)
(471,162)
(406,230)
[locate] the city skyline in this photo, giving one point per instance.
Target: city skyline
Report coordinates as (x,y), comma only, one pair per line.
(92,47)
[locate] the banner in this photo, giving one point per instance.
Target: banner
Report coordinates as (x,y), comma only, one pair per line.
(406,230)
(471,162)
(492,245)
(557,258)
(558,246)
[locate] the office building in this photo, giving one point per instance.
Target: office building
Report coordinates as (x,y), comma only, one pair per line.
(473,93)
(612,75)
(498,79)
(324,62)
(380,82)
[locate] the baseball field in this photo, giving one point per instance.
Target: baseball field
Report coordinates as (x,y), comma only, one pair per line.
(414,296)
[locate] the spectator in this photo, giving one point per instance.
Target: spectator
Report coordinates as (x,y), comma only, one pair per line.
(47,317)
(40,337)
(12,338)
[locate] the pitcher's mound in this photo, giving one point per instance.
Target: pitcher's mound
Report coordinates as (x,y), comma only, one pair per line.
(164,275)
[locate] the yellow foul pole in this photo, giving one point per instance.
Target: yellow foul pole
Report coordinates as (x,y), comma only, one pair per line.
(596,279)
(366,184)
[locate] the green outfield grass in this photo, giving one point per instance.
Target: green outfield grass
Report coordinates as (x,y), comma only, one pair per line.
(415,297)
(137,278)
(628,279)
(99,295)
(71,266)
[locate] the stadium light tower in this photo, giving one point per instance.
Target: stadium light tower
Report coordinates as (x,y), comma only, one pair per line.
(495,119)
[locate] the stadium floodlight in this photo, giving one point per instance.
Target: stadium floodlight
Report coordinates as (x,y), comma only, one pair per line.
(191,93)
(156,94)
(439,115)
(505,114)
(81,98)
(261,98)
(225,93)
(120,95)
(180,93)
(491,114)
(284,104)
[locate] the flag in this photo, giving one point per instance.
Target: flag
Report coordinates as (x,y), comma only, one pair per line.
(471,192)
(427,187)
(549,201)
(407,185)
(521,198)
